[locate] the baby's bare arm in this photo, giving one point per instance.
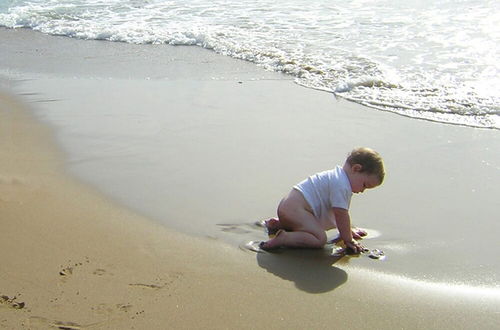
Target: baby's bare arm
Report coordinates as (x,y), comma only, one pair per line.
(344,226)
(343,223)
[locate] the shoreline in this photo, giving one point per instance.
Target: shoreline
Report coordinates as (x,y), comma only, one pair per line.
(122,270)
(155,145)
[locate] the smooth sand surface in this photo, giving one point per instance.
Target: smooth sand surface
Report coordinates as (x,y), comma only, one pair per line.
(78,259)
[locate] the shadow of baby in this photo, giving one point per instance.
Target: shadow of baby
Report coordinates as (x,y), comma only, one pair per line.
(311,270)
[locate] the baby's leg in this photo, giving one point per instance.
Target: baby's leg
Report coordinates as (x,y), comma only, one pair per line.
(302,228)
(293,239)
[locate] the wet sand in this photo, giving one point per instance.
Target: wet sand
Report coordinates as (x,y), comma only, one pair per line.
(75,254)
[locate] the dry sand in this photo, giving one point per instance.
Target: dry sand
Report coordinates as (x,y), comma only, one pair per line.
(72,258)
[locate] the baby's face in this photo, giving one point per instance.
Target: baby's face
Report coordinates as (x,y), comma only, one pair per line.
(361,181)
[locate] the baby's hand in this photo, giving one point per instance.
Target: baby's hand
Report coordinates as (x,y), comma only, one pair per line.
(353,247)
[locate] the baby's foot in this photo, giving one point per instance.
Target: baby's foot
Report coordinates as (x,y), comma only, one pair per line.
(273,243)
(358,233)
(272,226)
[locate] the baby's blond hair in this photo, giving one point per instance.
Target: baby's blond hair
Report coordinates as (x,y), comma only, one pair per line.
(370,160)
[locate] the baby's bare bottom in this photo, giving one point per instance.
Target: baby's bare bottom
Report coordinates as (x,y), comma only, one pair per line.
(301,228)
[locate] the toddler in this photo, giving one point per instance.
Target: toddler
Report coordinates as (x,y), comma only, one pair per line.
(321,202)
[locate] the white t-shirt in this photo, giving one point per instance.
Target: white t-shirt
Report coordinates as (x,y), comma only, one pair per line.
(326,190)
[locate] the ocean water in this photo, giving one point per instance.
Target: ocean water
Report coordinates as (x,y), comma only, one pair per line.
(430,59)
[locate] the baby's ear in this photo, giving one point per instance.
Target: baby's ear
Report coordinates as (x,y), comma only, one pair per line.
(357,168)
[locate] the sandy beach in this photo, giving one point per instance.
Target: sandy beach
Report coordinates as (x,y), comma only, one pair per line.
(83,248)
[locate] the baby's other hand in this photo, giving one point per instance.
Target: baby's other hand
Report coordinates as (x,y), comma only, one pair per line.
(358,233)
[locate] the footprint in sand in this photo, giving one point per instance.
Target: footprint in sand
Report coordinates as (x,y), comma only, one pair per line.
(124,307)
(67,271)
(11,302)
(99,272)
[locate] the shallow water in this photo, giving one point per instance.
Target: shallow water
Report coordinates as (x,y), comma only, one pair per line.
(437,60)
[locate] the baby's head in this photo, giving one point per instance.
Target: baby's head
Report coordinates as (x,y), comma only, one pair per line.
(368,162)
